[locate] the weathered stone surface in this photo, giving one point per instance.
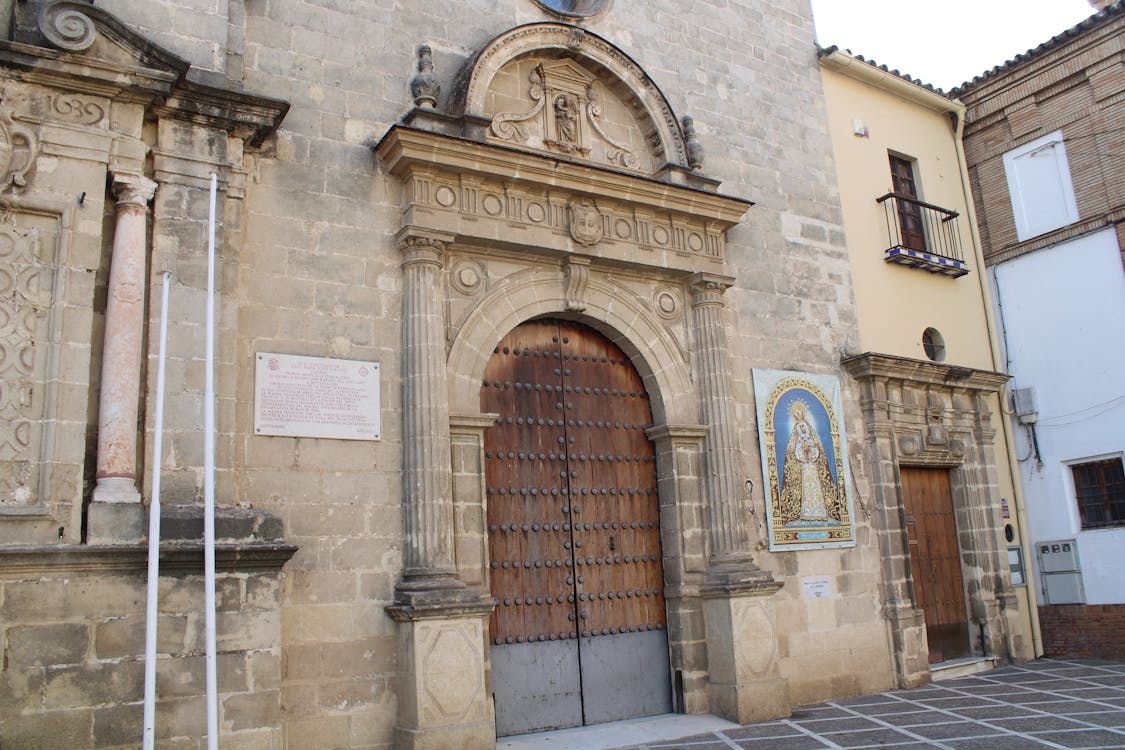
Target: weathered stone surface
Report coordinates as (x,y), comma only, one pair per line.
(310,261)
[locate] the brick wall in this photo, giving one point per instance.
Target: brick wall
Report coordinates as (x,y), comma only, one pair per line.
(1075,86)
(1095,631)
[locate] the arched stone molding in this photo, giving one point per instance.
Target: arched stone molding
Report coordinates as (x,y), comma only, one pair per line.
(540,291)
(564,40)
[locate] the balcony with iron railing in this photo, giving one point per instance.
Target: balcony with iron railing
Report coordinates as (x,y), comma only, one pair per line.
(922,235)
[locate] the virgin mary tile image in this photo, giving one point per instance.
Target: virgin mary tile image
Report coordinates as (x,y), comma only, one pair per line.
(804,460)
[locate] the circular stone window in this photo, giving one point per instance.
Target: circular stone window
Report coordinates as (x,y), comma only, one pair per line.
(933,344)
(574,8)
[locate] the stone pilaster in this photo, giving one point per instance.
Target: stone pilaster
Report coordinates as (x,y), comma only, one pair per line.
(115,515)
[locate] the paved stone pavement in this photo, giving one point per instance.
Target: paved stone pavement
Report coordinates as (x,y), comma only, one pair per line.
(1057,703)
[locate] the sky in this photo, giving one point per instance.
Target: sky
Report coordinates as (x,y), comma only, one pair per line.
(943,42)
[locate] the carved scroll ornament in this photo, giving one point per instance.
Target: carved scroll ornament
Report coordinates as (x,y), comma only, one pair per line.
(19,147)
(66,27)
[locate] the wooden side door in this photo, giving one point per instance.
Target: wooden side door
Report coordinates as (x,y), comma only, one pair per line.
(935,561)
(578,634)
(911,229)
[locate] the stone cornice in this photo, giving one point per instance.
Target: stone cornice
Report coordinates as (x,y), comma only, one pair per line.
(471,423)
(404,147)
(247,116)
(692,433)
(87,75)
(167,90)
(870,365)
(180,557)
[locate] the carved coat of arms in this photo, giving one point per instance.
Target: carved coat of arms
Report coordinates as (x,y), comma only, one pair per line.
(585,223)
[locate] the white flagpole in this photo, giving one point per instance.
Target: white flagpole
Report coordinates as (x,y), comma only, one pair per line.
(154,534)
(209,486)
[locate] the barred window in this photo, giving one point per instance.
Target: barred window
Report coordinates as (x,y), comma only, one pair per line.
(1100,490)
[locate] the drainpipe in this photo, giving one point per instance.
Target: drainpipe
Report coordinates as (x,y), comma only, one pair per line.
(994,349)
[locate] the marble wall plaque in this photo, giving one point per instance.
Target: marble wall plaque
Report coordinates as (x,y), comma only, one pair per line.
(316,397)
(817,587)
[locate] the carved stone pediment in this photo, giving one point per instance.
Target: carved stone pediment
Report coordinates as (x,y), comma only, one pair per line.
(90,56)
(935,411)
(85,29)
(561,106)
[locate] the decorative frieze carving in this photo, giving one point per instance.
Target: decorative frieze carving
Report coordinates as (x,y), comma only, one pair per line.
(586,222)
(77,109)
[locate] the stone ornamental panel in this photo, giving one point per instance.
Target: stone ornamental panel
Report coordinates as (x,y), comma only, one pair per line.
(25,301)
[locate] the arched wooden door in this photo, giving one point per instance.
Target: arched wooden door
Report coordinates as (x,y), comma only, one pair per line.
(579,631)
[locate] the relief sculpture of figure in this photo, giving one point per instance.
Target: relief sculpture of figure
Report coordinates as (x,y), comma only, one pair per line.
(566,118)
(808,493)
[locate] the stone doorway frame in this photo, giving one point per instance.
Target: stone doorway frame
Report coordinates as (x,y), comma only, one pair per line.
(929,415)
(493,235)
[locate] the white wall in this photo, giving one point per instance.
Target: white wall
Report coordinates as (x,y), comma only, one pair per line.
(1063,312)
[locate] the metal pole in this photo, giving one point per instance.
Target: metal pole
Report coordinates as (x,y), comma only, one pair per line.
(209,486)
(154,534)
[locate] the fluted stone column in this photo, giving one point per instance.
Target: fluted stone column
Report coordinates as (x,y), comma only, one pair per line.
(115,513)
(744,684)
(426,471)
(729,526)
(442,622)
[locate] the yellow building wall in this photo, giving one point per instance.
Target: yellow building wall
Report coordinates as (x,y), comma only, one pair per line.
(895,304)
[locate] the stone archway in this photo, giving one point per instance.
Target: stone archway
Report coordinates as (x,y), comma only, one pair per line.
(536,211)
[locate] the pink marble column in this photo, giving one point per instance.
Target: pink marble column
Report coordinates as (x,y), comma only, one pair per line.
(121,352)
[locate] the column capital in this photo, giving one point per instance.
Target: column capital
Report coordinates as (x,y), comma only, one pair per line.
(132,190)
(683,433)
(422,245)
(707,288)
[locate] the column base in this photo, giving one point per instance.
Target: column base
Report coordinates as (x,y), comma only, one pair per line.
(443,699)
(911,651)
(115,514)
(742,659)
(737,576)
(761,700)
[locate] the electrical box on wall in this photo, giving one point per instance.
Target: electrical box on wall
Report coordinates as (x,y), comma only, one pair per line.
(1061,572)
(1025,405)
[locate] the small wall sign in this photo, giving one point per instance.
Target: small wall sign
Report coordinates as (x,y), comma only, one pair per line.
(316,397)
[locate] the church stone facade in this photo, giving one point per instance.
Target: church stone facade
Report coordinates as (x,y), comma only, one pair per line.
(448,191)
